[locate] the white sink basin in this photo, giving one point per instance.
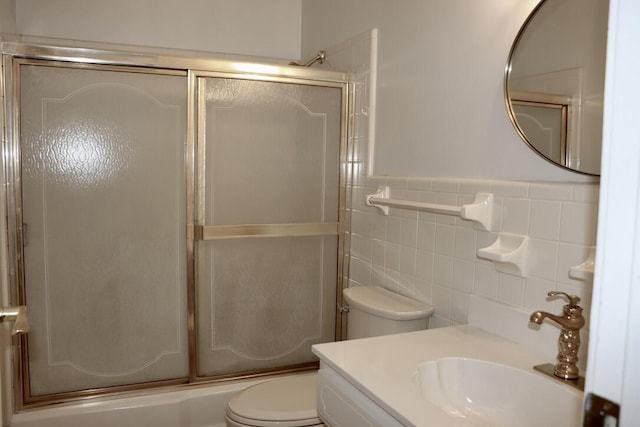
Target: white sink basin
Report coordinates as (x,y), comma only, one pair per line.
(481,393)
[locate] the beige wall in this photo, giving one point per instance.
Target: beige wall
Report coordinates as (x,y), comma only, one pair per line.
(440,106)
(7,17)
(244,27)
(440,110)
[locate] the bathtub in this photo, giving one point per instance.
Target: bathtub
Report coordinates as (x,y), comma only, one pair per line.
(197,406)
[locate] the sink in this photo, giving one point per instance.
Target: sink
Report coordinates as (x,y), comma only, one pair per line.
(481,393)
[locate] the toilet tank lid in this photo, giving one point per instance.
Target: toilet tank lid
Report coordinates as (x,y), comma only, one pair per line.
(384,303)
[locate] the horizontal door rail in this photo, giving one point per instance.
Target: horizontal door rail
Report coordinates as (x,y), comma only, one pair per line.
(218,232)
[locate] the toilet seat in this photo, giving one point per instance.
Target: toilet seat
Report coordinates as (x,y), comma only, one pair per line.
(283,402)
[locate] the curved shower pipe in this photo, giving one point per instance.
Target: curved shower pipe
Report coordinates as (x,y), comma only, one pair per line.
(319,57)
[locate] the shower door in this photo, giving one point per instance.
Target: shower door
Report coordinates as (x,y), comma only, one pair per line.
(171,226)
(103,226)
(269,208)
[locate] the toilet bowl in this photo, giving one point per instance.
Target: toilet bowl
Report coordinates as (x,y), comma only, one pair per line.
(291,401)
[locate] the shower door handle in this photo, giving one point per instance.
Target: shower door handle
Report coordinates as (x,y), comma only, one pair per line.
(19,317)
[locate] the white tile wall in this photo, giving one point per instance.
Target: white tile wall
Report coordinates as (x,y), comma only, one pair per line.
(432,257)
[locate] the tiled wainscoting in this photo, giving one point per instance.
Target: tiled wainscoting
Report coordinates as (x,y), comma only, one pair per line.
(433,257)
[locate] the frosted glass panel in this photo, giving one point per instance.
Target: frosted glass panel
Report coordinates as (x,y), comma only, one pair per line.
(272,152)
(545,128)
(272,157)
(103,204)
(265,302)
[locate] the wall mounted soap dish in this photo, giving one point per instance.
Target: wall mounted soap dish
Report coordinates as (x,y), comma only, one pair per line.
(509,253)
(585,270)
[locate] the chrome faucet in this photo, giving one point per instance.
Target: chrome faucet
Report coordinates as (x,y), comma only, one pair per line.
(570,321)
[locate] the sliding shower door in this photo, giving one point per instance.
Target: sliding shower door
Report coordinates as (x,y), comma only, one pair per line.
(104,229)
(168,227)
(269,202)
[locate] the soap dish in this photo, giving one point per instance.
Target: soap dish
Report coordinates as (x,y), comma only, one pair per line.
(509,253)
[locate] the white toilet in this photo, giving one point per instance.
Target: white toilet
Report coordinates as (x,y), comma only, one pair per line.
(291,401)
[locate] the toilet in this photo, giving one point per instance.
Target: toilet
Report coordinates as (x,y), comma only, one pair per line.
(291,401)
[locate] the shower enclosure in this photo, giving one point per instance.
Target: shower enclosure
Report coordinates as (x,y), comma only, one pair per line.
(172,220)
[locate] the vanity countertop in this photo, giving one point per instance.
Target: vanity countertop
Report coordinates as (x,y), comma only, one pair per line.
(382,368)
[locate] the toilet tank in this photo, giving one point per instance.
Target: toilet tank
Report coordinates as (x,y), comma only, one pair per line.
(375,311)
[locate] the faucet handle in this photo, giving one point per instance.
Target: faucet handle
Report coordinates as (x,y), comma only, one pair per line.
(573,299)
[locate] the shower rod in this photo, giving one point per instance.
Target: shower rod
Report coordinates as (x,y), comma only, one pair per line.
(319,57)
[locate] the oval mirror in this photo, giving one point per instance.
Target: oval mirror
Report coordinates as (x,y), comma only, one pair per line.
(554,85)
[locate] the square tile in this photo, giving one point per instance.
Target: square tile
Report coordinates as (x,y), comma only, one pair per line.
(406,285)
(510,189)
(542,258)
(394,229)
(379,226)
(545,220)
(515,216)
(486,280)
(392,257)
(445,236)
(475,186)
(426,238)
(465,243)
(378,252)
(424,265)
(423,290)
(578,223)
(391,280)
(443,270)
(360,247)
(434,257)
(551,191)
(463,275)
(409,232)
(442,300)
(408,261)
(510,289)
(535,294)
(588,193)
(460,307)
(419,184)
(361,223)
(442,185)
(360,270)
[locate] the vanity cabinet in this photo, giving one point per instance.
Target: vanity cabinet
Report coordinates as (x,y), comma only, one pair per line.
(341,404)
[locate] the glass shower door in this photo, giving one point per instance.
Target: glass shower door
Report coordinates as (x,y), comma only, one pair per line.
(104,229)
(171,226)
(267,264)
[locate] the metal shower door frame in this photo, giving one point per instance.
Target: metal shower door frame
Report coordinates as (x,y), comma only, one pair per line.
(202,232)
(106,57)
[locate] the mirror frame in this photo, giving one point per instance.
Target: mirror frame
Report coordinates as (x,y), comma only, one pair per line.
(508,101)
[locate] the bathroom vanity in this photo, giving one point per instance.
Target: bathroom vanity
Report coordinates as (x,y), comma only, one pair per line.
(455,376)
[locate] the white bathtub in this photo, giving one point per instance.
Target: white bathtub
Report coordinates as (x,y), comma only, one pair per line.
(188,407)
